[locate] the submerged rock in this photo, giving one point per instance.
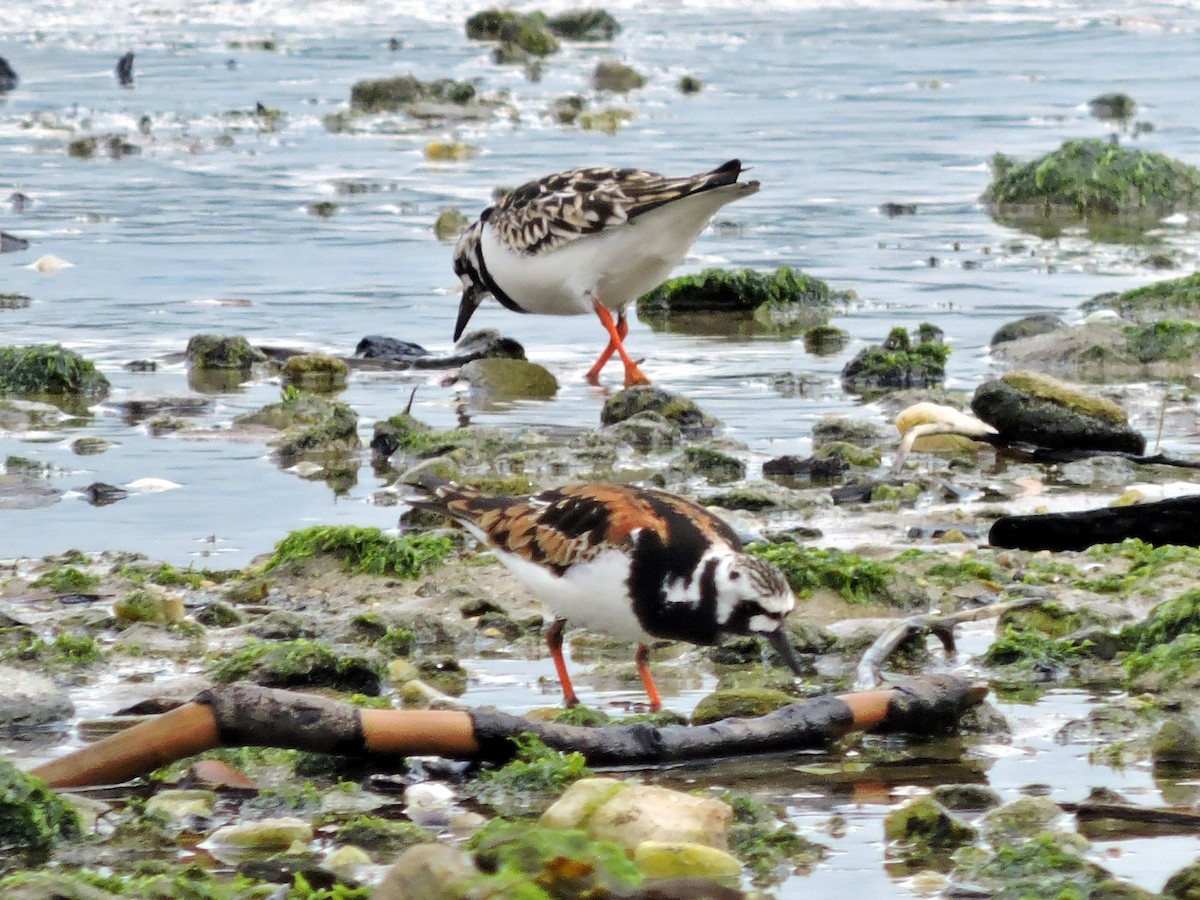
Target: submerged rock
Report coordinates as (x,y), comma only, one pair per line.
(213,351)
(510,379)
(674,408)
(1029,406)
(316,372)
(8,76)
(394,94)
(780,297)
(433,871)
(584,25)
(742,703)
(616,77)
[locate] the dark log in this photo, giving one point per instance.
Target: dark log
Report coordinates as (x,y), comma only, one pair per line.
(1160,522)
(1107,819)
(244,714)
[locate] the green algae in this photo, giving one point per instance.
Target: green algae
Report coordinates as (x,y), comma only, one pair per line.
(32,818)
(364,551)
(297,663)
(767,844)
(49,370)
(856,579)
(530,782)
(731,290)
(67,580)
(393,94)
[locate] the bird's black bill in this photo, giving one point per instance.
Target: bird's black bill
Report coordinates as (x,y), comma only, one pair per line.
(466,308)
(779,642)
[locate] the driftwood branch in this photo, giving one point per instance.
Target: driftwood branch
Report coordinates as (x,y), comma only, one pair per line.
(1121,819)
(1159,522)
(244,714)
(869,675)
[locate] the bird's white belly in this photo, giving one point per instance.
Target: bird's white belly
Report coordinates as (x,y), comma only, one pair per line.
(616,266)
(591,595)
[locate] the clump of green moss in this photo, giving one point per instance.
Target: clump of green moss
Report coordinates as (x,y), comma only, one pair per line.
(897,363)
(953,573)
(213,351)
(1164,341)
(1030,649)
(166,575)
(67,580)
(724,290)
(364,551)
(856,579)
(378,834)
(1167,621)
(1094,177)
(49,369)
(1173,298)
(532,781)
(77,649)
(525,860)
(405,434)
(584,25)
(1171,662)
(396,642)
(32,818)
(298,663)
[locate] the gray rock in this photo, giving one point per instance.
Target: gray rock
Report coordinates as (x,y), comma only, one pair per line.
(29,700)
(509,379)
(1028,326)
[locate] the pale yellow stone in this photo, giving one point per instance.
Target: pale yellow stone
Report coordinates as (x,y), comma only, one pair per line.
(577,804)
(178,804)
(265,834)
(347,857)
(649,813)
(665,859)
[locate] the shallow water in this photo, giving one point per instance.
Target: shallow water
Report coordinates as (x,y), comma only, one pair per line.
(838,106)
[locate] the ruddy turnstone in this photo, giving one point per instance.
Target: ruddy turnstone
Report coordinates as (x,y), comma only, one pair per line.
(634,563)
(589,240)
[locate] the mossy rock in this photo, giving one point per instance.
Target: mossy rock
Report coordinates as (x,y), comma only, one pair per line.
(1164,341)
(1165,622)
(855,578)
(1175,298)
(675,408)
(300,663)
(966,796)
(334,436)
(744,703)
(529,33)
(1089,178)
(825,340)
(14,301)
(1050,864)
(316,372)
(1115,107)
(1176,743)
(149,606)
(1023,818)
(925,822)
(689,84)
(584,25)
(214,351)
(851,454)
(49,370)
(1033,407)
(394,94)
(1184,884)
(616,77)
(490,24)
(33,819)
(712,465)
(737,290)
(560,863)
(509,379)
(449,224)
(898,363)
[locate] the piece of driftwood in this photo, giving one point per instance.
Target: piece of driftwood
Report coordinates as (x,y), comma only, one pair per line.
(1137,821)
(244,714)
(1171,521)
(869,674)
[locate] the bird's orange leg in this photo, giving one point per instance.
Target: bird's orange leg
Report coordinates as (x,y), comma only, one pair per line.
(554,640)
(616,335)
(643,666)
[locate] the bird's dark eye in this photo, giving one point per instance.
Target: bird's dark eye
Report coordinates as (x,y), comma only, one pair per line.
(734,576)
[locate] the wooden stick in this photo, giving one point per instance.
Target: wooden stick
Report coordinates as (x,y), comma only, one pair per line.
(245,714)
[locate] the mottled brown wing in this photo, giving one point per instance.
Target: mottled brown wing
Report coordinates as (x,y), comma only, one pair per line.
(564,207)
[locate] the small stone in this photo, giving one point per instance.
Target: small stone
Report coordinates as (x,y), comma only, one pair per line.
(29,700)
(926,822)
(264,834)
(1021,818)
(966,796)
(610,75)
(510,379)
(179,804)
(428,871)
(742,703)
(662,859)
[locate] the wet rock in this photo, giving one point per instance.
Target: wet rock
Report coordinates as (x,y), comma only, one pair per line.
(10,243)
(32,818)
(896,364)
(675,408)
(99,493)
(281,625)
(8,76)
(314,429)
(818,469)
(1100,472)
(584,25)
(628,814)
(924,824)
(825,340)
(299,663)
(219,614)
(646,432)
(1029,406)
(85,446)
(316,372)
(614,76)
(29,700)
(22,491)
(443,673)
(510,379)
(892,209)
(1116,107)
(179,805)
(1089,179)
(212,351)
(49,370)
(264,834)
(1176,743)
(966,796)
(689,84)
(394,94)
(1025,817)
(482,344)
(450,224)
(710,464)
(434,871)
(1028,326)
(14,301)
(859,432)
(450,151)
(124,70)
(850,454)
(1184,884)
(375,346)
(745,703)
(663,859)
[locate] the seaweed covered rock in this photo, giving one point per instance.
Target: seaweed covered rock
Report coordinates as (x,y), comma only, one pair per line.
(316,372)
(584,25)
(1174,298)
(395,94)
(32,818)
(524,33)
(299,663)
(315,429)
(898,363)
(922,828)
(674,408)
(49,370)
(213,351)
(739,703)
(1032,407)
(781,297)
(1089,178)
(509,379)
(1116,107)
